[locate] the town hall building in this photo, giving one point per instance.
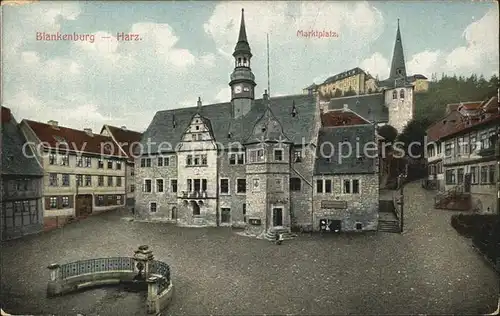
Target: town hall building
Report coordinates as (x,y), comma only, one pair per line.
(254,162)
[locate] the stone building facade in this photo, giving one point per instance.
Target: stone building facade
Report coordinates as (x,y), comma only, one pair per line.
(250,162)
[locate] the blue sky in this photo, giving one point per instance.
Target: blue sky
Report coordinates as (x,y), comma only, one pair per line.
(185,51)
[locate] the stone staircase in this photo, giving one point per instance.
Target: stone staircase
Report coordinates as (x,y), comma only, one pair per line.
(271,233)
(388,226)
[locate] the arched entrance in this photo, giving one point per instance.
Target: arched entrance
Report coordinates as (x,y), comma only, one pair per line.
(173,215)
(196,208)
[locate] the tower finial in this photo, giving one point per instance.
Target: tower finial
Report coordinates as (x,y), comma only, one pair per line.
(268,75)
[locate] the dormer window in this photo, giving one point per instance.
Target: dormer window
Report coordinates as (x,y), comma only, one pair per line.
(197,127)
(263,129)
(60,139)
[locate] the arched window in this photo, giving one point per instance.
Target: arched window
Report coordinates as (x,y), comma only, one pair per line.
(244,61)
(174,213)
(401,94)
(394,94)
(239,61)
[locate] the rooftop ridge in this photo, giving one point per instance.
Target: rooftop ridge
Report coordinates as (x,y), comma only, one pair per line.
(357,96)
(64,127)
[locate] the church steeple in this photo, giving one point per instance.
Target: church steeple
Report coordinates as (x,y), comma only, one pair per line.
(242,79)
(398,68)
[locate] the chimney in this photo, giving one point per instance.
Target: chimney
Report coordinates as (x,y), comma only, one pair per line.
(123,127)
(6,115)
(199,102)
(265,96)
(53,123)
(88,131)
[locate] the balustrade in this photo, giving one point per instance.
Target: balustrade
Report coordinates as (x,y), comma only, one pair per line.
(141,268)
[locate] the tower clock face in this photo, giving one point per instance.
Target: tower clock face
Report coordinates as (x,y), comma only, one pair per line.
(237,89)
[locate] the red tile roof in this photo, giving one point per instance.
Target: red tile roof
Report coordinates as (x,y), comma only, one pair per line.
(444,126)
(127,139)
(77,140)
(340,118)
(455,122)
(6,115)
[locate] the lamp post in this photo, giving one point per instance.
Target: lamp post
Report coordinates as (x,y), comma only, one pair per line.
(401,198)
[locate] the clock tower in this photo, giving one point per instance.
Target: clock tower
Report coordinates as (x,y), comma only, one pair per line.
(242,79)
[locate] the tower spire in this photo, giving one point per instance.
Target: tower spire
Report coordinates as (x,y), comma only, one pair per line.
(242,46)
(268,75)
(398,68)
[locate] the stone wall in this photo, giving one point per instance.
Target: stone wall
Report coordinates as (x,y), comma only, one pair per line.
(361,208)
(234,200)
(401,110)
(165,200)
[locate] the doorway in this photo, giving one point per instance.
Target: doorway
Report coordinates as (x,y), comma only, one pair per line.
(335,226)
(83,206)
(277,216)
(467,182)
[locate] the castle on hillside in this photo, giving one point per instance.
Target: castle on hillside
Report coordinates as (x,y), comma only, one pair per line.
(358,82)
(256,162)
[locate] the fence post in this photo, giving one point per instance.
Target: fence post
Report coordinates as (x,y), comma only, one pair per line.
(152,294)
(54,286)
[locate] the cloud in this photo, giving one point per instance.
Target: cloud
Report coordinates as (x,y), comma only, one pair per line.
(208,60)
(224,95)
(284,19)
(481,39)
(424,63)
(376,65)
(46,16)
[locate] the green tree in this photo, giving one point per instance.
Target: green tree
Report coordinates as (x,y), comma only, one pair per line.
(388,132)
(412,138)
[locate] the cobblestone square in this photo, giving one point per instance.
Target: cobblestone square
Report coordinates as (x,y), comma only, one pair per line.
(428,269)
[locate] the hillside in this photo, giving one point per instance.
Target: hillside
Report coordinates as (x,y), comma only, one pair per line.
(447,90)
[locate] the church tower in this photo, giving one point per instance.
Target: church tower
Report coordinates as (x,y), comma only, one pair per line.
(398,68)
(399,97)
(242,79)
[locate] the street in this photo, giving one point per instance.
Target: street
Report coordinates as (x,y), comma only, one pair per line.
(428,269)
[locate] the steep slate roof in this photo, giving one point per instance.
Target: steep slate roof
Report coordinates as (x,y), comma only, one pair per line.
(53,137)
(14,162)
(162,130)
(268,128)
(341,162)
(398,58)
(242,45)
(369,106)
(126,138)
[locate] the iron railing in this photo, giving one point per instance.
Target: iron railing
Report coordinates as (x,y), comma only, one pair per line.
(96,265)
(162,269)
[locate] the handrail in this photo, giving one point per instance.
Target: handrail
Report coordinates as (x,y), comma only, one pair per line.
(303,178)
